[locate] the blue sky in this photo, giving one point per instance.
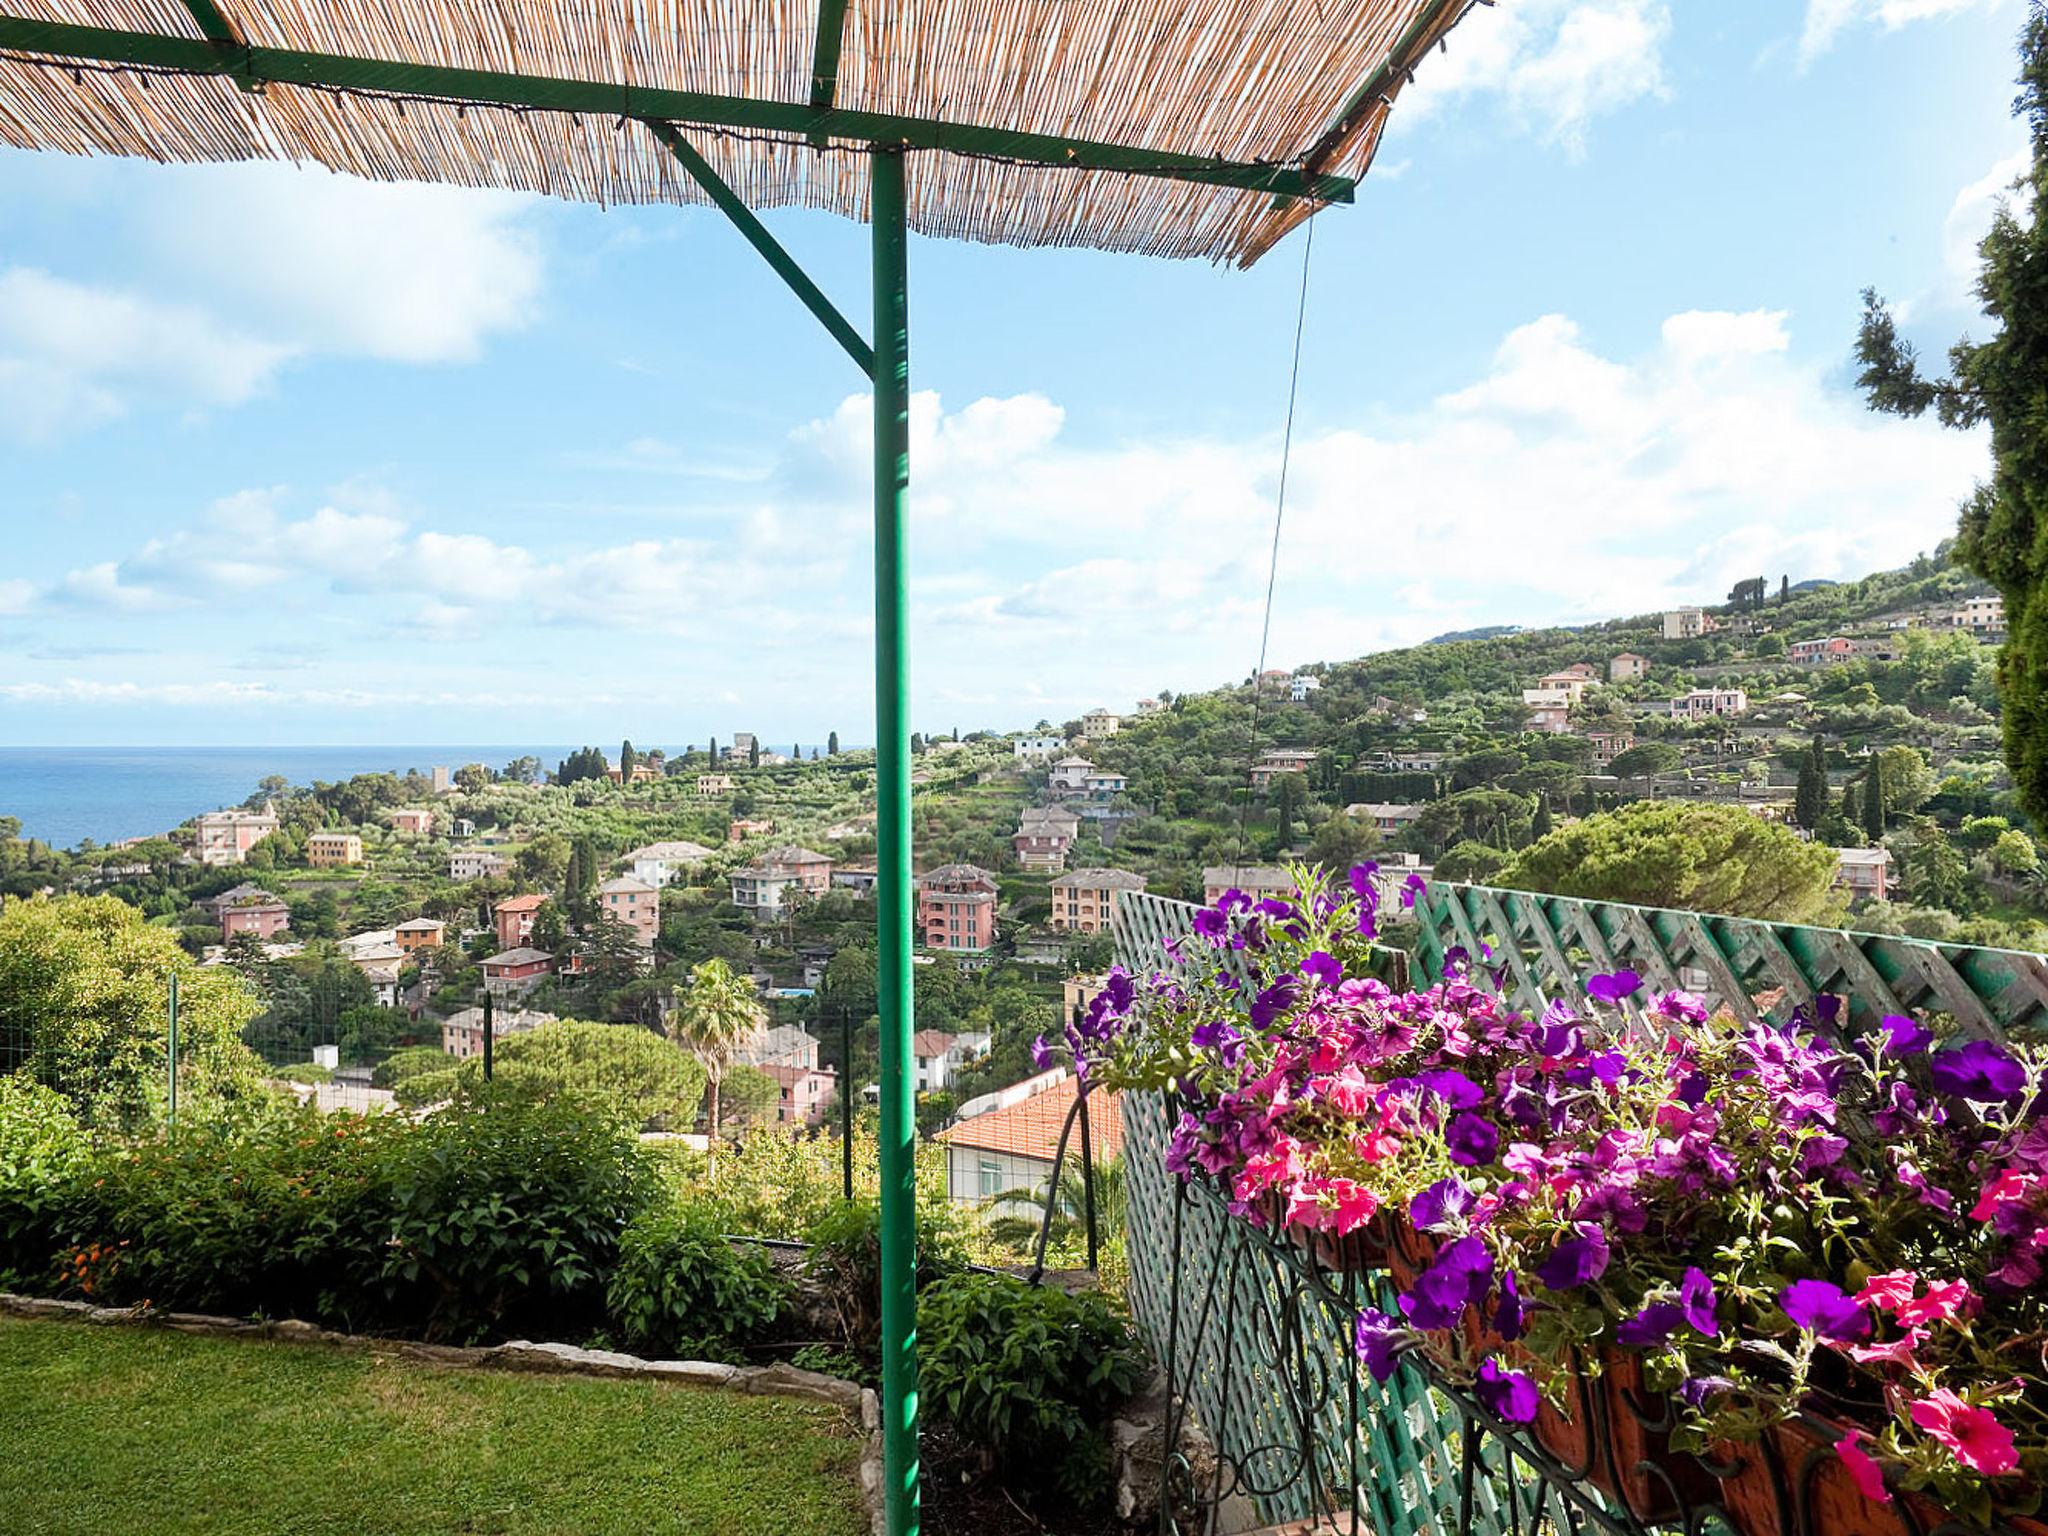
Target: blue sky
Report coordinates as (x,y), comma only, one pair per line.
(293,459)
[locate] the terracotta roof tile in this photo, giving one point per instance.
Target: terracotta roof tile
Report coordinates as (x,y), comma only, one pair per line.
(1031,1128)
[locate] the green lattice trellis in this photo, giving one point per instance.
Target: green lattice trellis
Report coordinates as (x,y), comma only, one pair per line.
(1397,1447)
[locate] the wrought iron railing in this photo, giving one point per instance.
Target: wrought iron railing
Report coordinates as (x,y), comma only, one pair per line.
(1256,1336)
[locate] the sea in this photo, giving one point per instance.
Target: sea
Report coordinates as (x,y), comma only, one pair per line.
(64,795)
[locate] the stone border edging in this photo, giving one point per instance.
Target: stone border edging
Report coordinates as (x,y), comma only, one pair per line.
(523,1355)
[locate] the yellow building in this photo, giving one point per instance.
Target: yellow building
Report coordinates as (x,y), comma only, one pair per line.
(324,850)
(1085,900)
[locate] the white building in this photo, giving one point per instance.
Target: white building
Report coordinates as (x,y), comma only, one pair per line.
(659,863)
(1708,703)
(1006,1141)
(1037,748)
(1688,624)
(475,864)
(1071,774)
(1098,723)
(1302,686)
(936,1056)
(225,837)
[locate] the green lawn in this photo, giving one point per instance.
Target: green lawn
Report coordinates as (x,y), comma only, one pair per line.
(119,1429)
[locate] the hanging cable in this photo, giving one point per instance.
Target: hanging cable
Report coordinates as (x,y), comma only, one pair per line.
(1251,746)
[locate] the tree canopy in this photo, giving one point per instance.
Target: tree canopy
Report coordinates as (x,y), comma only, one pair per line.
(1674,853)
(629,1070)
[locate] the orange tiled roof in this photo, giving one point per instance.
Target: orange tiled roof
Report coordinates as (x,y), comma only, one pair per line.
(1031,1128)
(528,903)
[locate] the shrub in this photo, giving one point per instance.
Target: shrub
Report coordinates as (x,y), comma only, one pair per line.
(634,1073)
(505,1215)
(680,1288)
(846,1259)
(1029,1373)
(408,1062)
(42,1146)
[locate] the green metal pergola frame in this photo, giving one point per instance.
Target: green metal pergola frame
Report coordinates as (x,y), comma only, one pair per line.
(223,52)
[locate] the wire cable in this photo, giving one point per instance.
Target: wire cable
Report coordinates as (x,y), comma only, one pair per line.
(1273,559)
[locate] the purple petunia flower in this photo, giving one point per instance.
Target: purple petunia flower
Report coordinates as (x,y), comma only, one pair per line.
(1323,967)
(1454,1088)
(1615,986)
(1904,1036)
(1378,1339)
(1218,1036)
(1980,1071)
(1412,888)
(1508,1312)
(1822,1308)
(1041,1054)
(1650,1327)
(1274,1001)
(1458,1279)
(1440,1206)
(1609,1066)
(1696,1295)
(1508,1395)
(1211,924)
(1576,1261)
(1695,1390)
(1471,1140)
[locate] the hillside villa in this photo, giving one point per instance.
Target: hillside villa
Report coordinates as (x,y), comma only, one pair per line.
(634,903)
(762,886)
(1070,775)
(1044,834)
(936,1055)
(420,933)
(225,837)
(476,864)
(329,850)
(413,821)
(1098,723)
(1275,761)
(462,1032)
(956,908)
(1865,873)
(658,863)
(514,918)
(1257,881)
(1386,818)
(516,972)
(1708,703)
(1627,667)
(1037,748)
(1084,900)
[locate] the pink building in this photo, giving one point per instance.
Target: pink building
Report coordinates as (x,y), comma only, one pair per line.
(634,903)
(225,837)
(413,821)
(261,916)
(1811,653)
(1044,834)
(514,916)
(1257,881)
(1865,873)
(516,972)
(806,1093)
(956,908)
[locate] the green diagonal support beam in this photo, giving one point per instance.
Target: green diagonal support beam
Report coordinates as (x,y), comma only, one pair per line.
(825,53)
(771,249)
(496,88)
(212,24)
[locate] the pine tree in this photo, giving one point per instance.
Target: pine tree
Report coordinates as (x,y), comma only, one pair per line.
(1998,382)
(1810,800)
(1873,800)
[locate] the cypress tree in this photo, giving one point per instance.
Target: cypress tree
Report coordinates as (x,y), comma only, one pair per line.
(1998,383)
(1850,813)
(832,744)
(754,753)
(1873,800)
(1810,800)
(1539,826)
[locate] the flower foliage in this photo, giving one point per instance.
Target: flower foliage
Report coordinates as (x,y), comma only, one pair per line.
(1773,1215)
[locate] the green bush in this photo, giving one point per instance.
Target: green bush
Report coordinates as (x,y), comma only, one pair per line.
(505,1216)
(681,1289)
(1030,1373)
(846,1259)
(636,1074)
(409,1062)
(42,1146)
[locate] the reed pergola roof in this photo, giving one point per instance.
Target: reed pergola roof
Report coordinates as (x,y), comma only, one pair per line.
(1166,127)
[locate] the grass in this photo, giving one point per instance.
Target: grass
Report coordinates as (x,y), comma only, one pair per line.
(128,1429)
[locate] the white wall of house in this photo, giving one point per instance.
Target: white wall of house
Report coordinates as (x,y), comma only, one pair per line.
(973,1175)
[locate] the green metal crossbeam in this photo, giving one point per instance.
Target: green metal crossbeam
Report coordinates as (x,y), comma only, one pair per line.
(825,54)
(1399,62)
(771,249)
(212,24)
(496,88)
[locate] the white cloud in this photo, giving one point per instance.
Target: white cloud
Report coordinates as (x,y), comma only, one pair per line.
(16,595)
(1555,64)
(1826,20)
(1563,482)
(400,272)
(1969,217)
(72,355)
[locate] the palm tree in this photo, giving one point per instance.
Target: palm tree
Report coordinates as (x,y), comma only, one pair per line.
(1070,1205)
(717,1018)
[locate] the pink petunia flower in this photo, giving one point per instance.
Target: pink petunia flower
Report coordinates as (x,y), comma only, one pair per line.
(1897,1352)
(1942,1302)
(1868,1476)
(1889,1292)
(1971,1434)
(2009,1188)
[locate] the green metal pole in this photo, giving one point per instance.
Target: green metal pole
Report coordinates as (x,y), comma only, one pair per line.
(892,756)
(171,1052)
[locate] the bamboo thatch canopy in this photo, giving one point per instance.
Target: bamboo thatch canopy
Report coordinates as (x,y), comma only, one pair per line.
(1296,86)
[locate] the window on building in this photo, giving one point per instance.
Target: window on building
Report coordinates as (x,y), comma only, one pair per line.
(989,1178)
